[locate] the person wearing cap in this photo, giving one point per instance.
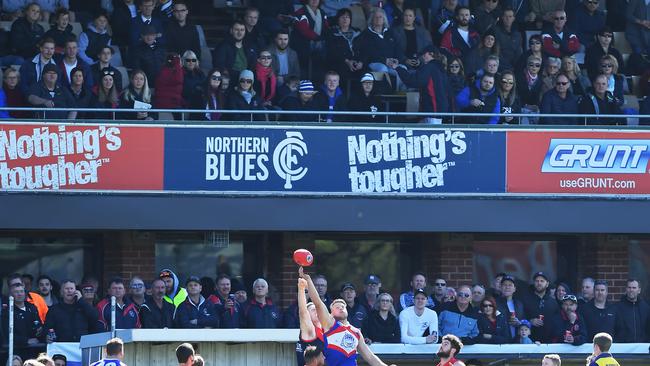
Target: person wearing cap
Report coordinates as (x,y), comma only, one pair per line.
(523,332)
(234,54)
(31,72)
(510,306)
(196,312)
(372,286)
(459,317)
(126,313)
(302,100)
(418,281)
(148,54)
(540,308)
(357,313)
(72,317)
(418,324)
(366,99)
(331,97)
(244,98)
(431,81)
(174,293)
(49,94)
(568,325)
(94,38)
(156,313)
(260,312)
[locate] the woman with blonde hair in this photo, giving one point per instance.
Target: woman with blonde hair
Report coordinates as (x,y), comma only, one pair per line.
(193,78)
(507,88)
(550,72)
(382,325)
(137,94)
(616,83)
(579,83)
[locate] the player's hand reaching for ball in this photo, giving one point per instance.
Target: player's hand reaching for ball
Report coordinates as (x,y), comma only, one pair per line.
(302,284)
(302,274)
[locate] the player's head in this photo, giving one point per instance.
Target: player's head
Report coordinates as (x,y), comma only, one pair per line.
(551,360)
(313,314)
(314,356)
(339,309)
(450,346)
(602,343)
(185,354)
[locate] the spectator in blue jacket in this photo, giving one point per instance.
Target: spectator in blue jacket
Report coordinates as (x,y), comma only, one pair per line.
(232,313)
(460,318)
(31,71)
(559,101)
(587,21)
(196,312)
(480,98)
(126,314)
(260,313)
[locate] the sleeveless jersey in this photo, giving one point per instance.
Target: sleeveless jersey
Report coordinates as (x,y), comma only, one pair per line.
(451,362)
(302,344)
(107,362)
(341,343)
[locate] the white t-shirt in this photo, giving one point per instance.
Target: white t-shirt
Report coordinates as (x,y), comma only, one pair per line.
(464,34)
(413,326)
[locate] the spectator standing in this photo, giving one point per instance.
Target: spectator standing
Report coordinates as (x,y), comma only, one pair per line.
(15,97)
(44,284)
(70,60)
(495,290)
(309,30)
(31,72)
(587,291)
(28,329)
(486,15)
(89,288)
(557,39)
(124,14)
(460,39)
(395,11)
(193,82)
(144,19)
(508,99)
(341,54)
(357,313)
(616,83)
(371,294)
(508,38)
(94,39)
(331,97)
(600,101)
(72,317)
(61,31)
(561,290)
(156,313)
(137,292)
(382,325)
(569,326)
(637,30)
(244,97)
(598,314)
(419,324)
(196,312)
(26,33)
(233,53)
(459,317)
(632,314)
(418,282)
(480,98)
(539,308)
(169,84)
(266,82)
(411,38)
(603,46)
(559,101)
(511,307)
(48,94)
(126,314)
(174,293)
(104,61)
(601,355)
(492,325)
(587,21)
(148,55)
(254,36)
(285,60)
(180,34)
(260,311)
(579,83)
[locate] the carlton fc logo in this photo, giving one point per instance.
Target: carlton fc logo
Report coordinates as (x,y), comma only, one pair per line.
(285,158)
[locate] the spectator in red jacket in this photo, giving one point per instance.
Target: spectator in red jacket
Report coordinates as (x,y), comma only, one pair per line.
(460,40)
(309,30)
(558,40)
(169,84)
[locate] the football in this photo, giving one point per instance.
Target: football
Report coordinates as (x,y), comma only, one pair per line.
(303,257)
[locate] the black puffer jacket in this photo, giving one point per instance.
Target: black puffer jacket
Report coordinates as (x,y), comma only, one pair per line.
(631,321)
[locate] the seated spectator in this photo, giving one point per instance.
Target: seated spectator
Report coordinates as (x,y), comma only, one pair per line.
(481,97)
(534,49)
(603,46)
(418,324)
(530,85)
(456,77)
(26,33)
(193,78)
(366,100)
(523,333)
(616,83)
(285,60)
(490,66)
(486,16)
(579,82)
(569,326)
(309,30)
(156,313)
(137,93)
(137,291)
(439,294)
(211,99)
(600,101)
(180,34)
(169,84)
(233,54)
(459,318)
(450,295)
(372,287)
(550,73)
(31,71)
(266,82)
(637,26)
(70,60)
(45,288)
(377,45)
(493,327)
(94,39)
(72,317)
(542,12)
(509,39)
(48,94)
(357,313)
(418,282)
(254,36)
(196,312)
(79,91)
(148,55)
(260,313)
(104,61)
(49,7)
(460,40)
(28,329)
(331,97)
(301,100)
(508,98)
(14,96)
(244,97)
(559,101)
(509,305)
(105,95)
(587,21)
(124,14)
(382,325)
(411,38)
(61,31)
(558,40)
(339,45)
(478,294)
(126,314)
(145,19)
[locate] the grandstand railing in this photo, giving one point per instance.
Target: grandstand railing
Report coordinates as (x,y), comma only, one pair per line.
(450,118)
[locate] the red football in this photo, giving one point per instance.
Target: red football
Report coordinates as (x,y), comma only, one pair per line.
(303,257)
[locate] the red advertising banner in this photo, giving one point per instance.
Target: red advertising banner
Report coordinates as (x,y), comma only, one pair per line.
(81,157)
(613,163)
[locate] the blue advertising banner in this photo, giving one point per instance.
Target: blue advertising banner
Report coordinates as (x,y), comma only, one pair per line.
(334,160)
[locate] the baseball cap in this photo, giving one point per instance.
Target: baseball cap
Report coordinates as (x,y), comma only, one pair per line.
(192,279)
(373,279)
(525,323)
(347,285)
(148,29)
(427,49)
(50,68)
(540,274)
(306,86)
(508,278)
(367,77)
(419,291)
(165,273)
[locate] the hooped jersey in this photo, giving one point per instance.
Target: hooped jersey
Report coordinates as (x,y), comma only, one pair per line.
(107,362)
(341,343)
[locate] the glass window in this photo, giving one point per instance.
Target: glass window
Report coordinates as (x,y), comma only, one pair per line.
(520,259)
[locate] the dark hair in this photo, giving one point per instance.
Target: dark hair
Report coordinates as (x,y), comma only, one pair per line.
(537,37)
(311,353)
(633,280)
(46,40)
(14,276)
(183,352)
(281,31)
(116,280)
(223,275)
(459,8)
(492,301)
(343,11)
(454,341)
(603,341)
(61,11)
(46,277)
(114,347)
(27,275)
(237,21)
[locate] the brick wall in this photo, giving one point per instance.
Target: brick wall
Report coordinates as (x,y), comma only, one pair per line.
(127,254)
(288,274)
(606,257)
(449,256)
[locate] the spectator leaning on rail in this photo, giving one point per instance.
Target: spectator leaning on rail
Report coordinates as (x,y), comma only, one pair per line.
(47,93)
(632,314)
(481,97)
(126,313)
(569,326)
(418,324)
(492,324)
(459,317)
(28,329)
(72,317)
(510,306)
(174,293)
(196,312)
(259,311)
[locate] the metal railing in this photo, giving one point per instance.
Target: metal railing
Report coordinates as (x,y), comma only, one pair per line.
(388,117)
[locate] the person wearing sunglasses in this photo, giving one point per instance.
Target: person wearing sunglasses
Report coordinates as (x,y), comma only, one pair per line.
(616,83)
(137,291)
(211,97)
(455,77)
(559,101)
(508,97)
(586,20)
(569,325)
(193,77)
(604,45)
(460,318)
(558,40)
(492,325)
(266,81)
(534,49)
(243,97)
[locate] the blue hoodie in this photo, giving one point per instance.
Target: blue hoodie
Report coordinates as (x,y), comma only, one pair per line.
(491,100)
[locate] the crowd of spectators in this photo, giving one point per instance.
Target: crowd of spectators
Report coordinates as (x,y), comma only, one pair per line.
(478,56)
(507,311)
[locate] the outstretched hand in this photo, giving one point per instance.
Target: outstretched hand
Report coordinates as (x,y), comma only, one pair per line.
(302,284)
(302,274)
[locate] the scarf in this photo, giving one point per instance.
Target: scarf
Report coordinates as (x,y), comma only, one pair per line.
(264,74)
(318,20)
(531,80)
(212,104)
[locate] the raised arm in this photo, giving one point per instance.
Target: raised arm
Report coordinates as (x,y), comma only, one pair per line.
(324,316)
(367,354)
(307,330)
